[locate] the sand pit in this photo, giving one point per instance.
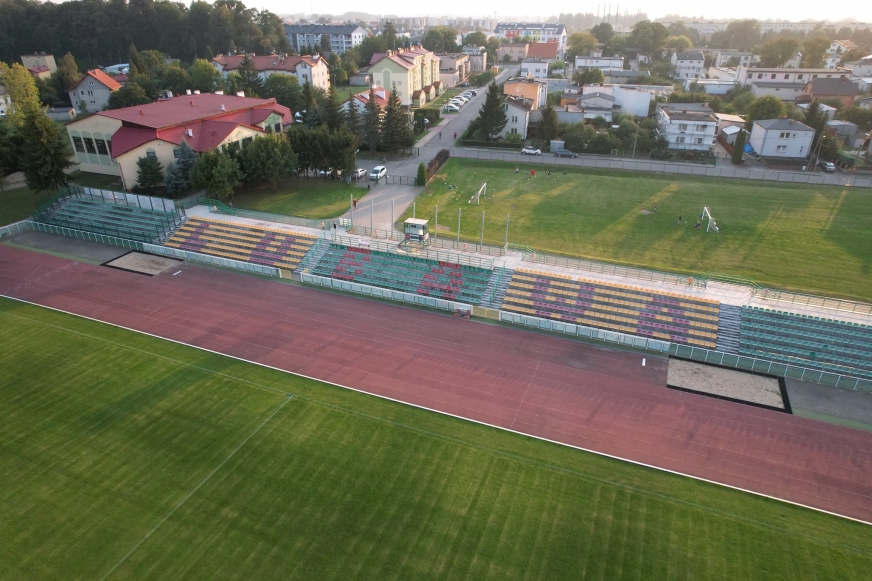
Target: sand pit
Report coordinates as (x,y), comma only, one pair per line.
(726,383)
(143,263)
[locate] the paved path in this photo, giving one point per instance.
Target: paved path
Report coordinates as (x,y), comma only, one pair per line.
(570,392)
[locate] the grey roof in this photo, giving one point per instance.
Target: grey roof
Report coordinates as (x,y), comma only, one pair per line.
(771,85)
(320,28)
(837,86)
(558,28)
(678,107)
(628,74)
(691,116)
(692,55)
(593,95)
(782,123)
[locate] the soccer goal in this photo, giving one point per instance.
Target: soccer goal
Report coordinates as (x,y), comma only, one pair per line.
(712,226)
(476,199)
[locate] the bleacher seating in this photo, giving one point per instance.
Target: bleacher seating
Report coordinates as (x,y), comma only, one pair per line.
(110,219)
(238,241)
(807,341)
(616,307)
(404,273)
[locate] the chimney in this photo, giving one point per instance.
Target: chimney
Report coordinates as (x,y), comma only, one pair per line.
(190,132)
(141,112)
(240,94)
(196,92)
(222,107)
(187,91)
(192,103)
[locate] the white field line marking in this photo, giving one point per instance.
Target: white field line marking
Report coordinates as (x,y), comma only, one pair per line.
(526,391)
(559,443)
(190,494)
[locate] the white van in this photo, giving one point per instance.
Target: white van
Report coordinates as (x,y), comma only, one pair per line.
(378,172)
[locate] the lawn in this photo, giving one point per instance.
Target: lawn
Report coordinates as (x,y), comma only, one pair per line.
(19,203)
(309,198)
(343,93)
(814,239)
(439,101)
(123,456)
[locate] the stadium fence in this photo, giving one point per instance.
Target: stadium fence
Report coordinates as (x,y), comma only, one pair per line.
(479,262)
(435,242)
(812,301)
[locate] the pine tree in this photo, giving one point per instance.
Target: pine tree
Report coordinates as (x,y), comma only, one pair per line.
(422,175)
(226,175)
(396,130)
(492,118)
(352,120)
(739,148)
(548,125)
(330,111)
(149,172)
(250,80)
(175,181)
(372,122)
(187,159)
(44,154)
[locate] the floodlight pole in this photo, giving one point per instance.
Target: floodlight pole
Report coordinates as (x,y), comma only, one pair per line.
(481,238)
(458,224)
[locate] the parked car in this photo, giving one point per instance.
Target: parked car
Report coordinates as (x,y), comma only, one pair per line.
(460,98)
(565,153)
(458,104)
(464,84)
(329,172)
(467,95)
(527,150)
(359,173)
(378,172)
(827,166)
(451,108)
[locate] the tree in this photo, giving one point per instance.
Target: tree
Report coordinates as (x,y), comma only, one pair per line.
(859,116)
(588,76)
(203,77)
(130,95)
(10,147)
(217,173)
(440,39)
(766,107)
(330,111)
(249,77)
(186,161)
(421,179)
(476,38)
(492,118)
(44,153)
(580,44)
(548,124)
(649,36)
(21,90)
(68,73)
(603,32)
(372,122)
(741,34)
(396,133)
(267,159)
(777,51)
(368,47)
(175,79)
(679,43)
(175,182)
(814,50)
(739,147)
(353,121)
(389,32)
(149,172)
(325,43)
(285,90)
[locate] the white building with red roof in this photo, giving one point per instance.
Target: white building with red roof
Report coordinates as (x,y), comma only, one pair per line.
(92,92)
(307,69)
(111,142)
(414,72)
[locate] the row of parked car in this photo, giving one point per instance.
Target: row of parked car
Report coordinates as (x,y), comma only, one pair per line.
(457,102)
(528,150)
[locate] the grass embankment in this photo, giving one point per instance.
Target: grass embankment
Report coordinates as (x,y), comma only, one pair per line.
(307,197)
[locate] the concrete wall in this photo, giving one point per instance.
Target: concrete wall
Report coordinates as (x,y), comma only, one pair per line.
(93,128)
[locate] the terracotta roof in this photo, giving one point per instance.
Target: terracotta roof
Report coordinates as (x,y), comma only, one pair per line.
(381,97)
(101,78)
(273,62)
(187,109)
(38,69)
(545,50)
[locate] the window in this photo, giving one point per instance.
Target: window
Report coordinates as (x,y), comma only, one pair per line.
(799,77)
(77,142)
(513,130)
(277,127)
(784,135)
(773,76)
(786,77)
(89,145)
(781,148)
(682,127)
(101,147)
(700,127)
(698,141)
(760,76)
(150,153)
(177,152)
(247,140)
(90,92)
(514,118)
(679,139)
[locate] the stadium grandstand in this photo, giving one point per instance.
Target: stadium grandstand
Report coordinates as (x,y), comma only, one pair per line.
(239,241)
(404,273)
(616,307)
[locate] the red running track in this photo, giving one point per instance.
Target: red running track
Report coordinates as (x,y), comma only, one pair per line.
(559,389)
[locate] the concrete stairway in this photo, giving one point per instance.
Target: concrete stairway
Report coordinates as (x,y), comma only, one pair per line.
(495,291)
(314,256)
(729,320)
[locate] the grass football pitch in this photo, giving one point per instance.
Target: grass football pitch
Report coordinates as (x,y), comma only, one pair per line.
(123,456)
(815,239)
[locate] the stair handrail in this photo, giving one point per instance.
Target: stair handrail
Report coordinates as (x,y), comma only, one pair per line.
(497,283)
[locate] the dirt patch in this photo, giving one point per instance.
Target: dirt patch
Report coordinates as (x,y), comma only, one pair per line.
(646,212)
(143,263)
(727,383)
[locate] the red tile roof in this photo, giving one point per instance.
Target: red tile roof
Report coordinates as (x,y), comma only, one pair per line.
(267,63)
(381,97)
(189,108)
(38,69)
(101,78)
(542,50)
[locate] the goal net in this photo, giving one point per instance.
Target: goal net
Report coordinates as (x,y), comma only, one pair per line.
(712,226)
(476,199)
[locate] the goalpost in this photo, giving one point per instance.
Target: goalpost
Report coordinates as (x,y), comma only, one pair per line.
(477,197)
(712,226)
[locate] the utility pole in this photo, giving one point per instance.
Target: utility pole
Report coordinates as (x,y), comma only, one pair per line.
(481,238)
(635,139)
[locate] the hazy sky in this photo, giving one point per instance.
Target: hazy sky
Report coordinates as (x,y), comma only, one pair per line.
(860,10)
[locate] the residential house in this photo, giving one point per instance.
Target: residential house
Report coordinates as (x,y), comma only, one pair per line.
(61,114)
(860,68)
(518,115)
(688,65)
(40,72)
(839,47)
(307,69)
(546,51)
(111,142)
(726,120)
(844,129)
(734,58)
(841,89)
(359,101)
(783,138)
(604,63)
(832,61)
(537,31)
(92,92)
(864,103)
(414,72)
(830,112)
(535,68)
(746,76)
(342,36)
(863,84)
(596,104)
(534,90)
(454,68)
(723,74)
(784,91)
(5,101)
(710,86)
(687,126)
(511,52)
(39,65)
(477,58)
(629,99)
(793,62)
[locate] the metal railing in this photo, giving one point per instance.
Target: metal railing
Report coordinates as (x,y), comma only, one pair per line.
(219,207)
(612,269)
(433,241)
(436,255)
(212,260)
(401,180)
(770,367)
(384,293)
(812,301)
(83,235)
(15,228)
